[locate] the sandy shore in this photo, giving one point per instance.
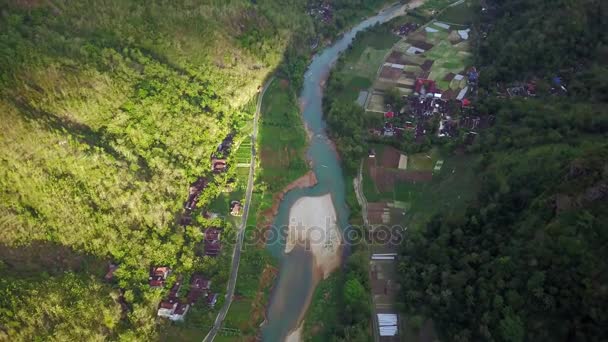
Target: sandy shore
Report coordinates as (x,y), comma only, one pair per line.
(295,335)
(312,223)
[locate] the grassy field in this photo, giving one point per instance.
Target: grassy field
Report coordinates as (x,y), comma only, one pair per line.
(461,14)
(424,161)
(448,58)
(431,6)
(450,188)
(449,191)
(282,138)
(359,66)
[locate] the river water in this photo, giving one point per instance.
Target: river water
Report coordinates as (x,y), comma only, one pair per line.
(295,284)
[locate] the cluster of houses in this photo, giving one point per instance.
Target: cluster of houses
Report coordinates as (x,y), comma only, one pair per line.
(406,29)
(529,89)
(173,307)
(322,11)
(427,102)
(218,158)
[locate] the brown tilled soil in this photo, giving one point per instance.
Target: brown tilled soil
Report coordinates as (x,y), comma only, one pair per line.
(390,73)
(390,158)
(385,179)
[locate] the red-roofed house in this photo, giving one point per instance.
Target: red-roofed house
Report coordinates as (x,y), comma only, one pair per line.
(389,115)
(172,310)
(179,312)
(466,102)
(166,308)
(218,165)
(158,275)
(424,86)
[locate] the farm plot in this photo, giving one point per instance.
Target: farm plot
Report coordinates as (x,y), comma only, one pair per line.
(243,153)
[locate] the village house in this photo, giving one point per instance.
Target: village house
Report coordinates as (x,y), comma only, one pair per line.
(322,11)
(175,309)
(166,308)
(424,87)
(388,130)
(236,208)
(406,29)
(194,193)
(218,165)
(199,287)
(158,276)
(212,242)
(172,309)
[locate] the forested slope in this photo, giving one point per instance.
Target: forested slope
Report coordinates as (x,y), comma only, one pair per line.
(528,262)
(109,110)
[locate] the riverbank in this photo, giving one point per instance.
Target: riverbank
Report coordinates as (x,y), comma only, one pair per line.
(267,216)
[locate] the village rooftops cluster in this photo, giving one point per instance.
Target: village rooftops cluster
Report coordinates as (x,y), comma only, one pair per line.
(428,102)
(175,308)
(529,88)
(322,11)
(406,29)
(218,158)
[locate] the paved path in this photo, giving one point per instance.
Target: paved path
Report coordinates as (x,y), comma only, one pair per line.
(236,254)
(358,184)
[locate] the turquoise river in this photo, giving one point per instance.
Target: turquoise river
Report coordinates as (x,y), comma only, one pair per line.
(291,295)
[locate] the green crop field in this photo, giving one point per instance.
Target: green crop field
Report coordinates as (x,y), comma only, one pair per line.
(282,137)
(461,14)
(449,191)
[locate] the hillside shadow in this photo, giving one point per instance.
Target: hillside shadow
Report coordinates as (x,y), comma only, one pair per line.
(83,133)
(47,257)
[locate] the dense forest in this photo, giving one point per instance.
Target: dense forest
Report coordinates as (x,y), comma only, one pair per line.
(527,261)
(109,111)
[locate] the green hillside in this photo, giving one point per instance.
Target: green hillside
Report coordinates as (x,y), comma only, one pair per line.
(109,110)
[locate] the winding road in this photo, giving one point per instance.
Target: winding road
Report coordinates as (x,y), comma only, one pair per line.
(236,254)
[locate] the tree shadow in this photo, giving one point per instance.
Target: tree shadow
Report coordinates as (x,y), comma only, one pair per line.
(47,257)
(83,133)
